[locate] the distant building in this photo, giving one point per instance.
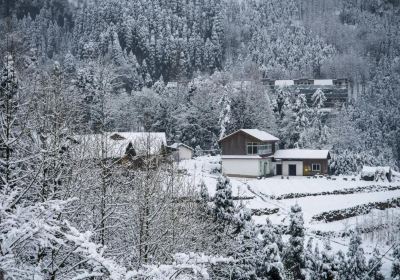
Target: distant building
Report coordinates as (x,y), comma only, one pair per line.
(248,153)
(180,151)
(337,91)
(117,145)
(254,153)
(301,162)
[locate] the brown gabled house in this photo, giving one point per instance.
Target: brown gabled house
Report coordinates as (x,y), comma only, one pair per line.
(254,153)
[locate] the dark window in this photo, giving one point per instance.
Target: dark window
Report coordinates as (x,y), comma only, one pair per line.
(316,167)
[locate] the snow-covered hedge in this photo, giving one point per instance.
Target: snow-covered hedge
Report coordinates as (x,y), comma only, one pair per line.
(341,214)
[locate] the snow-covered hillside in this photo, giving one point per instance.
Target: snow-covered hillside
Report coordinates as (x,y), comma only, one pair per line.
(346,194)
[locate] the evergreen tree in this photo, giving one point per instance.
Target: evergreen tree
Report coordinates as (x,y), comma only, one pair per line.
(396,263)
(10,124)
(224,208)
(327,269)
(356,264)
(204,195)
(294,255)
(246,252)
(311,262)
(318,99)
(270,266)
(341,265)
(374,266)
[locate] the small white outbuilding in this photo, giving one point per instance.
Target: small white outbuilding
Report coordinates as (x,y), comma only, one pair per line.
(181,151)
(376,173)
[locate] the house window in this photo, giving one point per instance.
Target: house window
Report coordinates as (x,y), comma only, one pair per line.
(316,167)
(264,149)
(254,148)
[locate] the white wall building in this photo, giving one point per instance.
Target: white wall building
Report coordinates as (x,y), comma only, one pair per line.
(181,151)
(254,153)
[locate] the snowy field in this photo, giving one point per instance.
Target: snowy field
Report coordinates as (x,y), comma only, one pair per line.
(276,193)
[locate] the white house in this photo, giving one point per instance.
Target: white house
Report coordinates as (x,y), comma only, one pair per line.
(254,153)
(247,153)
(181,151)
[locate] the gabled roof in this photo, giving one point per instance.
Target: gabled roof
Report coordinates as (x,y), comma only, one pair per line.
(256,133)
(114,144)
(301,154)
(177,145)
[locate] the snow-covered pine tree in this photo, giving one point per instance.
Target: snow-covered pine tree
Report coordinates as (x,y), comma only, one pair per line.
(204,195)
(302,117)
(270,263)
(225,115)
(8,123)
(374,266)
(311,261)
(294,253)
(223,202)
(396,263)
(246,245)
(341,264)
(327,269)
(318,99)
(356,264)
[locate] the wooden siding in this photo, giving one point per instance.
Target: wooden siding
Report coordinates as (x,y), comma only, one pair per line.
(236,144)
(307,166)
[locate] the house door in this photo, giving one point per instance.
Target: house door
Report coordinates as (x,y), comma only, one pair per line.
(279,169)
(292,169)
(266,168)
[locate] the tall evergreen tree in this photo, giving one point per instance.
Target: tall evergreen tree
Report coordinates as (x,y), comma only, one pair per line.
(356,264)
(294,254)
(270,263)
(396,263)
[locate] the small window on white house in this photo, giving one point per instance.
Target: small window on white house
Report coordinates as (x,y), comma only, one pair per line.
(316,167)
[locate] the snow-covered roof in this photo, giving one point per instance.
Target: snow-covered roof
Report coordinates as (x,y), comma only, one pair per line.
(241,157)
(256,133)
(177,145)
(114,144)
(372,170)
(284,83)
(260,135)
(301,154)
(325,82)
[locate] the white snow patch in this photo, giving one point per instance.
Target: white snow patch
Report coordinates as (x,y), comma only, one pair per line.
(301,154)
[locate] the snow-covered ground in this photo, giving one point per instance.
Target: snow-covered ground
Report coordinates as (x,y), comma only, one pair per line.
(265,190)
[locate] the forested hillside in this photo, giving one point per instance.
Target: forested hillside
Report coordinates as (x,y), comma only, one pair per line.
(193,70)
(143,45)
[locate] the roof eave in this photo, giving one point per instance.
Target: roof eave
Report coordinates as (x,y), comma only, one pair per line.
(241,130)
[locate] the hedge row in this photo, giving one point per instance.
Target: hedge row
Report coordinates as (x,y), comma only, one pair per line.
(365,189)
(341,214)
(265,211)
